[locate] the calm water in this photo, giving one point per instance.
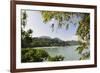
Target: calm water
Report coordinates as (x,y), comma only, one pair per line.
(69,52)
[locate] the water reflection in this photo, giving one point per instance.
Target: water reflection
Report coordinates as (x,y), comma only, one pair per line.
(68,52)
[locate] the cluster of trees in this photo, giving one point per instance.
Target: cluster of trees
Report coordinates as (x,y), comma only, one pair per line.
(83,30)
(38,55)
(45,42)
(84,33)
(26,36)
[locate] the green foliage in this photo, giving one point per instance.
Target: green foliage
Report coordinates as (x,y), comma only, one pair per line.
(84,28)
(29,32)
(23,18)
(45,42)
(62,17)
(37,55)
(33,55)
(59,16)
(84,32)
(42,54)
(26,36)
(81,47)
(56,58)
(41,42)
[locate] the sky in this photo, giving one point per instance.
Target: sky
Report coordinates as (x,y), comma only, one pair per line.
(35,22)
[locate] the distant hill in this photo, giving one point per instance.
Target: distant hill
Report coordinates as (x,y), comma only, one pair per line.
(44,41)
(45,37)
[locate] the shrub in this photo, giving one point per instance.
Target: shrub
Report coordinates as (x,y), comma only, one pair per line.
(33,55)
(56,58)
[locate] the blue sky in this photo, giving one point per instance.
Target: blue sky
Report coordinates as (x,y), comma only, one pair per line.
(35,22)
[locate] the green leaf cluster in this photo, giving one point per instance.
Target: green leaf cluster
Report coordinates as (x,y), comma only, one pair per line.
(59,16)
(81,47)
(37,55)
(33,55)
(26,36)
(56,58)
(84,28)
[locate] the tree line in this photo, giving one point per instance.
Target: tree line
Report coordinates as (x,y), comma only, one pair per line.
(47,42)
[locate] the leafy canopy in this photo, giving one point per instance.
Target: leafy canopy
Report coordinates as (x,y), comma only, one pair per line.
(83,30)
